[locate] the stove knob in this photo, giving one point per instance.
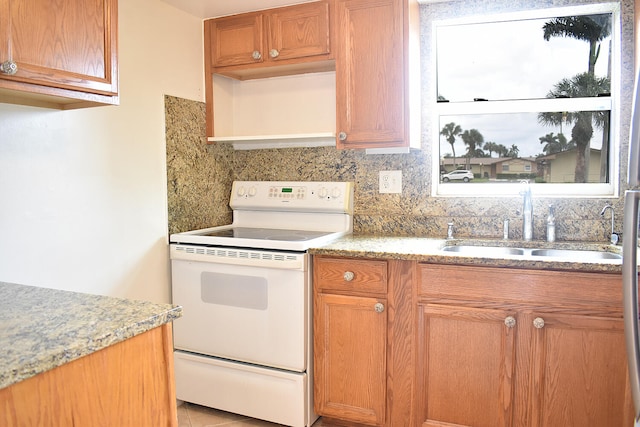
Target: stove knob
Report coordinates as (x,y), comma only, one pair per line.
(241,191)
(252,191)
(323,193)
(335,193)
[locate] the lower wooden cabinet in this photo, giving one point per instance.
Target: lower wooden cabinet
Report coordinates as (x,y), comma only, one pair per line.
(350,364)
(502,347)
(130,383)
(466,366)
(364,349)
(468,346)
(350,339)
(577,374)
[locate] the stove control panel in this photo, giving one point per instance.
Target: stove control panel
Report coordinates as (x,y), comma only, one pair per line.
(294,196)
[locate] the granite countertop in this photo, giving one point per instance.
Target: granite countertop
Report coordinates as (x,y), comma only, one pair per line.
(41,328)
(424,249)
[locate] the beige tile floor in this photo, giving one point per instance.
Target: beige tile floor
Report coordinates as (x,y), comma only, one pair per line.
(191,415)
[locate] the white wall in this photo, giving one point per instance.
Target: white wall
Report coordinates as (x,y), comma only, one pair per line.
(83,192)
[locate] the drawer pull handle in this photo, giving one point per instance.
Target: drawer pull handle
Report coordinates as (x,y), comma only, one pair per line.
(538,323)
(256,55)
(510,321)
(342,136)
(274,53)
(379,307)
(348,276)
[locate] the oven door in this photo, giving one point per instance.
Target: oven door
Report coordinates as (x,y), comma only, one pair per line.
(245,305)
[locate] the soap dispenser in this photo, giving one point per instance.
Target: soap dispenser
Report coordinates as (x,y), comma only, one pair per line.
(551,225)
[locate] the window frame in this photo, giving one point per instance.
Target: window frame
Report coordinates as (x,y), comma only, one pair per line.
(612,103)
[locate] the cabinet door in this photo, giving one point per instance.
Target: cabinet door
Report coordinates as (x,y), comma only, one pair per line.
(298,32)
(578,372)
(369,73)
(350,358)
(466,365)
(236,40)
(68,45)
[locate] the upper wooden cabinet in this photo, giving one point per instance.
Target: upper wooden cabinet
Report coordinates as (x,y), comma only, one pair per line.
(236,40)
(276,42)
(375,71)
(300,32)
(65,53)
(247,46)
(373,46)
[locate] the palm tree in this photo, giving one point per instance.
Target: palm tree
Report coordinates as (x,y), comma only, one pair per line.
(491,147)
(502,150)
(592,29)
(471,138)
(450,131)
(579,86)
(554,143)
(514,151)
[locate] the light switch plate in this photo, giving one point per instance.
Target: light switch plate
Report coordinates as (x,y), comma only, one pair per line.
(390,182)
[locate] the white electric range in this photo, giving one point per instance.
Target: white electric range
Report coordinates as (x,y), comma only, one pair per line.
(244,343)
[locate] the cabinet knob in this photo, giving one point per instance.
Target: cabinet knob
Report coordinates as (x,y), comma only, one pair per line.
(348,276)
(379,307)
(274,53)
(538,323)
(510,321)
(8,67)
(342,136)
(256,55)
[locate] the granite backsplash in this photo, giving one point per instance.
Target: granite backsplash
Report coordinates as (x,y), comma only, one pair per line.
(199,178)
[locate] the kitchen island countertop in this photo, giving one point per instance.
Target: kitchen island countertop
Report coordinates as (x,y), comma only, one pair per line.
(424,249)
(41,328)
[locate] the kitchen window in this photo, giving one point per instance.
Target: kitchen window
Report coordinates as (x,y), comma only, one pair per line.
(529,96)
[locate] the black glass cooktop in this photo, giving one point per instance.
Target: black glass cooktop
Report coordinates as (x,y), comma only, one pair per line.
(267,234)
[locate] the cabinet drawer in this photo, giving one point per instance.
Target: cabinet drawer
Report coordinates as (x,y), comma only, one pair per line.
(536,287)
(350,275)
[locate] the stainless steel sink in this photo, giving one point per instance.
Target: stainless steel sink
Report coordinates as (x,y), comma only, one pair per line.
(486,251)
(570,255)
(577,255)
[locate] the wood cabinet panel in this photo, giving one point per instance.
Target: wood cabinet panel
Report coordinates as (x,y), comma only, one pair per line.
(67,49)
(350,358)
(129,383)
(299,32)
(350,275)
(586,291)
(579,374)
(235,39)
(466,367)
(370,73)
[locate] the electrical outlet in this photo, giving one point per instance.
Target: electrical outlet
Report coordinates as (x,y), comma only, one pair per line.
(390,182)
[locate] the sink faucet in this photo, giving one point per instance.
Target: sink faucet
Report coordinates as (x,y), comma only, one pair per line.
(614,236)
(505,229)
(450,228)
(551,225)
(527,212)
